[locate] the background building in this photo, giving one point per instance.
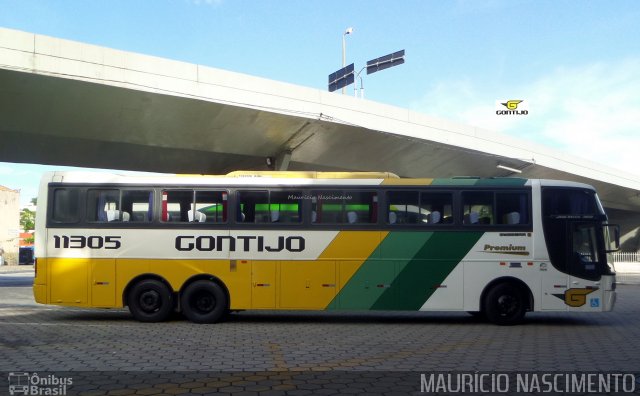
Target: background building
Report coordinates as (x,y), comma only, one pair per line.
(9,224)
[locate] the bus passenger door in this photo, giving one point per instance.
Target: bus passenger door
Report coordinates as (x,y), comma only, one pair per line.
(554,285)
(263,284)
(103,283)
(585,267)
(554,277)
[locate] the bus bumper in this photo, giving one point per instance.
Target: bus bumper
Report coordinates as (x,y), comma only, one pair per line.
(608,284)
(40,293)
(609,300)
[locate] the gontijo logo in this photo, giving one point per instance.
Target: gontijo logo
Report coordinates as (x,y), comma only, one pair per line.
(513,107)
(512,104)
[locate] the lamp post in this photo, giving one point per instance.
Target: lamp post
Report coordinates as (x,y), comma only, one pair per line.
(355,86)
(345,76)
(349,30)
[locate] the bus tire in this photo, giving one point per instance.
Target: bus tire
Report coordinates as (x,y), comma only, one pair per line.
(204,301)
(505,304)
(150,301)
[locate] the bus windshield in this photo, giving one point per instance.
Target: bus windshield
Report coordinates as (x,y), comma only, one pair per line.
(560,202)
(572,221)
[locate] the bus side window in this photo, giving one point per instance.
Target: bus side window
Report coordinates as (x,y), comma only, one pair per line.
(210,207)
(137,206)
(478,207)
(344,207)
(402,207)
(437,206)
(512,208)
(285,206)
(176,205)
(253,207)
(103,205)
(65,205)
(327,206)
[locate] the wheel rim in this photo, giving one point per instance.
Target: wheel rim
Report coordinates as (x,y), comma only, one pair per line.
(150,301)
(508,305)
(203,302)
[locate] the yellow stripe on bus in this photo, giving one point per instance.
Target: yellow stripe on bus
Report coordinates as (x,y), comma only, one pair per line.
(407,182)
(353,245)
(258,284)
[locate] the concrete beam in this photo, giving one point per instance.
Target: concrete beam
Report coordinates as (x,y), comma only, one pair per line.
(91,106)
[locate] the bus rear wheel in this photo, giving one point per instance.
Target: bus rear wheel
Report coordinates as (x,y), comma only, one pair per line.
(150,301)
(204,301)
(505,304)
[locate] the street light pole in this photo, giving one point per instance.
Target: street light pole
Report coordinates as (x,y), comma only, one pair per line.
(355,86)
(349,30)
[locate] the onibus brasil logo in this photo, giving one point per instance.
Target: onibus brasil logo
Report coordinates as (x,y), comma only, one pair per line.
(513,107)
(34,384)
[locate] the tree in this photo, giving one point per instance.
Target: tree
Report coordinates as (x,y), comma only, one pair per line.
(27,219)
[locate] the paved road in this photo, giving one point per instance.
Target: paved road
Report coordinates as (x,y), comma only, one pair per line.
(106,352)
(16,279)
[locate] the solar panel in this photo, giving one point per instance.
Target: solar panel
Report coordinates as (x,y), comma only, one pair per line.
(341,78)
(385,62)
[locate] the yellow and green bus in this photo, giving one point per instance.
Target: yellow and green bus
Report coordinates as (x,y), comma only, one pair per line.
(208,245)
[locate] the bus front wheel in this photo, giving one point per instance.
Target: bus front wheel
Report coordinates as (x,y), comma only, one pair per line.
(204,301)
(150,301)
(505,304)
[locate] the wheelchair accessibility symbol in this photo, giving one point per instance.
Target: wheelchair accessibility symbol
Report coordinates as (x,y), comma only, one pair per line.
(595,302)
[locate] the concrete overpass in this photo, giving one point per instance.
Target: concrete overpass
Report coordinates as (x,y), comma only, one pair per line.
(69,103)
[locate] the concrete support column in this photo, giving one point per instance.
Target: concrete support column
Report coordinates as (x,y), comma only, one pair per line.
(629,228)
(282,161)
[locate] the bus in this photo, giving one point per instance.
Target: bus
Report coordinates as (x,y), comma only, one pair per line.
(209,245)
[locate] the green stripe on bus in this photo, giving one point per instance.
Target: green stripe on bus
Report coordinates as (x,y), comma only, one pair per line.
(473,181)
(502,181)
(374,276)
(403,271)
(419,278)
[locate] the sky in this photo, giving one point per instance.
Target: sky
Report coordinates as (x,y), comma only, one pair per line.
(575,64)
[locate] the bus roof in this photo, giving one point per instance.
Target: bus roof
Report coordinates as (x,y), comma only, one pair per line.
(251,178)
(284,178)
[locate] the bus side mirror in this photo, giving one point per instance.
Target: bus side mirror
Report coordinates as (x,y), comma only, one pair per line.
(612,231)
